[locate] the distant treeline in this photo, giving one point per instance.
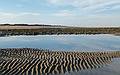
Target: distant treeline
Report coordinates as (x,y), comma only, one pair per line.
(59,31)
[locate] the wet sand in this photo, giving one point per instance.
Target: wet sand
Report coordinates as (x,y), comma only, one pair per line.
(29,61)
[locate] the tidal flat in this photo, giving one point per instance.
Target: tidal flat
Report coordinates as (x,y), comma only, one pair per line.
(29,61)
(60,50)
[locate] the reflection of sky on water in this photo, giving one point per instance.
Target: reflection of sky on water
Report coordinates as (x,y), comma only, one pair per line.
(63,42)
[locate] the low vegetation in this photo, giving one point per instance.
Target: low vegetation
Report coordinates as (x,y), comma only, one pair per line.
(49,30)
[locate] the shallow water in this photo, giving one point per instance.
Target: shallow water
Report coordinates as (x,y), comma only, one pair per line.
(63,42)
(109,69)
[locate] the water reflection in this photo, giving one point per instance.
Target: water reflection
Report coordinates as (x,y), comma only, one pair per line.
(63,42)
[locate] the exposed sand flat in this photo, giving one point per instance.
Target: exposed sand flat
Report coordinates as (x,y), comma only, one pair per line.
(27,27)
(20,27)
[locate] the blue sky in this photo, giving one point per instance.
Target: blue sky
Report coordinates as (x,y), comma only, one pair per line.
(62,12)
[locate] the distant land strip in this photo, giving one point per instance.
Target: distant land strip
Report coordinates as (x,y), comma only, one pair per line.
(24,29)
(30,61)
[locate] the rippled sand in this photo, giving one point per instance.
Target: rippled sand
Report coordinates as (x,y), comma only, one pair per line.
(28,61)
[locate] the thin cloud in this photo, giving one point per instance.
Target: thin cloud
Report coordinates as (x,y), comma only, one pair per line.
(87,5)
(63,13)
(7,17)
(14,15)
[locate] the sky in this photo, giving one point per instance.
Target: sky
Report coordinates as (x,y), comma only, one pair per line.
(61,12)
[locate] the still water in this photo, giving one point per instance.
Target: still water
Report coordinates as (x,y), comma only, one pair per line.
(63,42)
(102,42)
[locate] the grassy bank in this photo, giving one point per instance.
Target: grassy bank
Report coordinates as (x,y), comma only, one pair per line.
(43,30)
